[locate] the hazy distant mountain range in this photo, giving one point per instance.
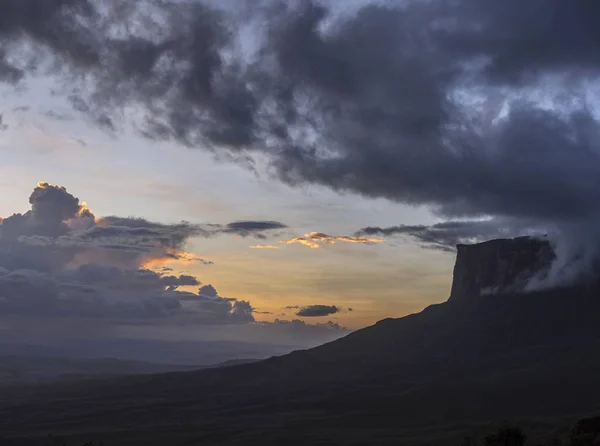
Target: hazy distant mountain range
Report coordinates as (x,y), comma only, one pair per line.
(31,369)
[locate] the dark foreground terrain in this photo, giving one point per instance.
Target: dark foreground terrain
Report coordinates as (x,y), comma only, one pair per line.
(432,377)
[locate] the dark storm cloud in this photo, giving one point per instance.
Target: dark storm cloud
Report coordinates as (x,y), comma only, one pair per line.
(414,102)
(472,108)
(445,236)
(523,40)
(316,310)
(59,25)
(399,131)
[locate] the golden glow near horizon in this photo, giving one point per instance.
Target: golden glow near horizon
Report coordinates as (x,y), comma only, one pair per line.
(374,281)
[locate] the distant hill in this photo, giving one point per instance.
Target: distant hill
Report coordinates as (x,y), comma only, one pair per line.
(426,378)
(155,351)
(30,369)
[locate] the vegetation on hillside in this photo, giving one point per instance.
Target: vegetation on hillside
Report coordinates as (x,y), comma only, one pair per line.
(585,433)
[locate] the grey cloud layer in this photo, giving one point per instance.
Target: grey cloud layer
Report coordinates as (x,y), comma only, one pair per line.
(92,291)
(184,230)
(58,259)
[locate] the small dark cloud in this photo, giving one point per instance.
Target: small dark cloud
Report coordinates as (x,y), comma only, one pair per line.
(252,228)
(317,310)
(208,291)
(173,282)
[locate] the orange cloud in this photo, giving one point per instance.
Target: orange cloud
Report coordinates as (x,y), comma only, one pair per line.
(83,209)
(300,240)
(313,239)
(170,255)
(264,247)
(366,241)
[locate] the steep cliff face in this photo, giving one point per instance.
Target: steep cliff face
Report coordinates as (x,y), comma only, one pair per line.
(501,265)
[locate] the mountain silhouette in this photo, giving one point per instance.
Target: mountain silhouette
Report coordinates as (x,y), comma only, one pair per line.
(478,358)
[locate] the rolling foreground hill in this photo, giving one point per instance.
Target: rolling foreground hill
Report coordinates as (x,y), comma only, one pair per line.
(429,377)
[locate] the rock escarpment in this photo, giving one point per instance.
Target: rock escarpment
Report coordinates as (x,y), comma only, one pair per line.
(503,265)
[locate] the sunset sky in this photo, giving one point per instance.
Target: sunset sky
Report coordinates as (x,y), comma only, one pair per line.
(349,284)
(128,176)
(260,176)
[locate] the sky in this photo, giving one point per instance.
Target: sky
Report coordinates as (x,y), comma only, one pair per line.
(276,174)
